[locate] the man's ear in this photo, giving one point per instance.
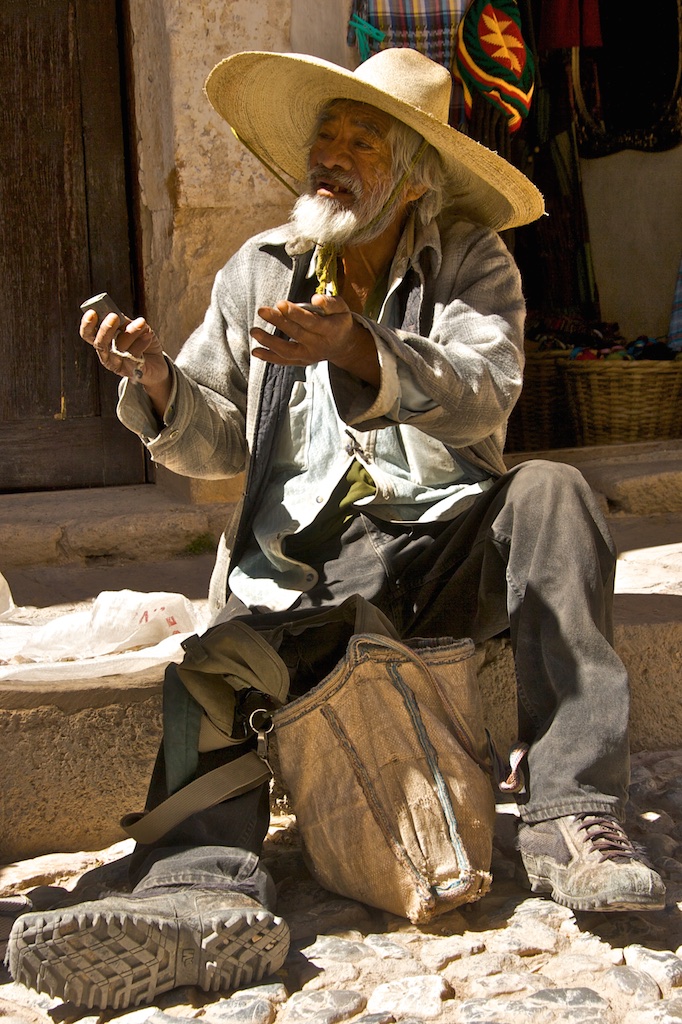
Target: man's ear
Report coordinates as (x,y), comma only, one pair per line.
(414,192)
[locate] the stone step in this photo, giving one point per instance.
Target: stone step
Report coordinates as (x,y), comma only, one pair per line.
(633,479)
(147,523)
(107,524)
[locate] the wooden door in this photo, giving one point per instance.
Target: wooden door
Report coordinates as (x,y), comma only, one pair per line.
(64,234)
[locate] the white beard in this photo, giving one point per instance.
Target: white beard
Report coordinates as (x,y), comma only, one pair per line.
(315,219)
(320,220)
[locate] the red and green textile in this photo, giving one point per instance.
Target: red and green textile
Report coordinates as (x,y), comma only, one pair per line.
(492,58)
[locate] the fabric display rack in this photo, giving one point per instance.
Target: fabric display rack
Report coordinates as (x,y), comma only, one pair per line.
(544,85)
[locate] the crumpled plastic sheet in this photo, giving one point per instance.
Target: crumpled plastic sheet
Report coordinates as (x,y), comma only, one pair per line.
(122,632)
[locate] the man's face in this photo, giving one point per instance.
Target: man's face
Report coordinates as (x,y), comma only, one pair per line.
(350,176)
(351,142)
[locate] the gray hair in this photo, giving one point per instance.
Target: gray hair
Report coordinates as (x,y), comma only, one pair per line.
(428,172)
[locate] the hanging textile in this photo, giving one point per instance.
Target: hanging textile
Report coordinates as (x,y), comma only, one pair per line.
(568,23)
(629,92)
(492,59)
(554,254)
(675,328)
(429,26)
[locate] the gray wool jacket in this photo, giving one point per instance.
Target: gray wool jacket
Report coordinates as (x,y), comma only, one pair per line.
(460,345)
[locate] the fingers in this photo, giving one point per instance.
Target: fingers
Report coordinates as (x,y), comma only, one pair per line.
(282,351)
(120,350)
(308,337)
(329,305)
(88,327)
(137,339)
(292,319)
(296,324)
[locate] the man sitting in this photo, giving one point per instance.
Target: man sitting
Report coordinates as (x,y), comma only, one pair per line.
(370,425)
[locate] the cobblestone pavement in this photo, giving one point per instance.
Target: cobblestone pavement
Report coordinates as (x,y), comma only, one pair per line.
(512,958)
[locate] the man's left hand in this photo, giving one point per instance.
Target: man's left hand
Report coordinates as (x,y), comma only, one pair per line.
(310,338)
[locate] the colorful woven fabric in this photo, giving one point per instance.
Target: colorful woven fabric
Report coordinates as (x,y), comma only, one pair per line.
(429,26)
(675,328)
(492,58)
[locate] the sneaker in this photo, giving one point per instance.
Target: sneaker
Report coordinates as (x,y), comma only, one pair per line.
(121,951)
(587,862)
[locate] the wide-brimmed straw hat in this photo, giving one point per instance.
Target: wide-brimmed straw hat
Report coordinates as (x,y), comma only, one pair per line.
(272,100)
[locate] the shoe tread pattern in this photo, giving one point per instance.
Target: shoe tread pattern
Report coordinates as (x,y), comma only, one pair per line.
(114,961)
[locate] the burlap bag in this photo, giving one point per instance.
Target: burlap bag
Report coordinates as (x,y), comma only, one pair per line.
(387,765)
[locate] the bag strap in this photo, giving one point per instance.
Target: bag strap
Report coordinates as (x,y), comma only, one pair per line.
(250,770)
(231,779)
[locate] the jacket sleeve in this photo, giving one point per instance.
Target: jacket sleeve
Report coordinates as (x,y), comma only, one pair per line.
(203,430)
(459,380)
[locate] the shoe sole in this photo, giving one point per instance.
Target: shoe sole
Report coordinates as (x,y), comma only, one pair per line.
(540,884)
(116,960)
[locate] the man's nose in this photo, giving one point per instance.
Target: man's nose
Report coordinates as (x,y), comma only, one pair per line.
(333,153)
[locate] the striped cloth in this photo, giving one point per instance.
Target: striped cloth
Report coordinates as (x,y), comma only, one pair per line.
(493,59)
(429,26)
(675,328)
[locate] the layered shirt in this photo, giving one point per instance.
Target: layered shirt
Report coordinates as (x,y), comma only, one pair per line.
(449,342)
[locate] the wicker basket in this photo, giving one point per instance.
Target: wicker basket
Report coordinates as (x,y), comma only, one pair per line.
(541,418)
(618,402)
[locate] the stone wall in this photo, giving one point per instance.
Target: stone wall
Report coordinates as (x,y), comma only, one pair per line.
(634,208)
(77,757)
(200,193)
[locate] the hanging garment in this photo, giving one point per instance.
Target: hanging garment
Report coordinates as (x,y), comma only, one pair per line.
(492,59)
(568,23)
(629,92)
(554,254)
(429,26)
(675,328)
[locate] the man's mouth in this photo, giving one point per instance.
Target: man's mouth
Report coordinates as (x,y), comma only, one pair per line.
(329,189)
(332,188)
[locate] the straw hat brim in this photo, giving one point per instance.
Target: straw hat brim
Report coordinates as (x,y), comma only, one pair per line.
(272,100)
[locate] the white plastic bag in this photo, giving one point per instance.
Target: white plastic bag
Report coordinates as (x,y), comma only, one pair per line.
(122,632)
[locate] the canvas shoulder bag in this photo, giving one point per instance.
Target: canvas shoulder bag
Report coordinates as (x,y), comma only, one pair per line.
(386,761)
(388,769)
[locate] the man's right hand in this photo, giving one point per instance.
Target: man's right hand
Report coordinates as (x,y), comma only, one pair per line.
(139,340)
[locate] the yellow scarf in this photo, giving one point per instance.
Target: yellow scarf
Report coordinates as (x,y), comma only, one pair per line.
(326,264)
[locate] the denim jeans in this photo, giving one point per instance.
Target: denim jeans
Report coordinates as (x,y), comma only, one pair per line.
(532,556)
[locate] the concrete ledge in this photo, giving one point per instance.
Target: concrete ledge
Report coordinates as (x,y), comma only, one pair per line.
(199,492)
(634,479)
(75,759)
(79,756)
(652,654)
